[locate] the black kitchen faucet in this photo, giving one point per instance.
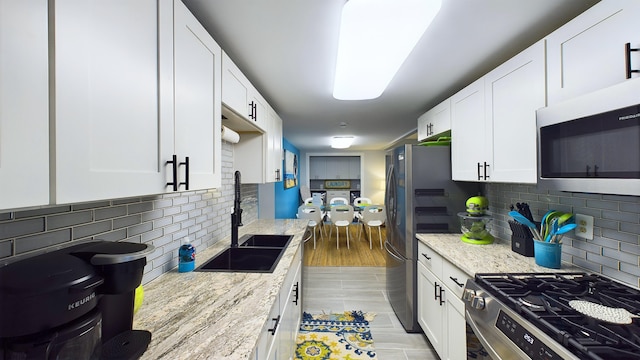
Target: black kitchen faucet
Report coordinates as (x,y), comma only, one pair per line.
(236,216)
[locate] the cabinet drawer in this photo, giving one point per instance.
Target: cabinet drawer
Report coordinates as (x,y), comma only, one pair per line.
(454,278)
(430,259)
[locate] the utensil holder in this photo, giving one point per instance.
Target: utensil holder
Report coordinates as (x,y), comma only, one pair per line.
(548,254)
(521,239)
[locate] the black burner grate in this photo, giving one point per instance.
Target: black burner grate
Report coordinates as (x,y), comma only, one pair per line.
(543,300)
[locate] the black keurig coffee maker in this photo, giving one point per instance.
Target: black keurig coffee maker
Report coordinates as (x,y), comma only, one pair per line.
(73,303)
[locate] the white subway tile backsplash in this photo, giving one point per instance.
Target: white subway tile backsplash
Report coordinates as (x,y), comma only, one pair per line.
(162,220)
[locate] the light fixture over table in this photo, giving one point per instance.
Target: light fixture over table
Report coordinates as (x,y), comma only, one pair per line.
(341,142)
(376,36)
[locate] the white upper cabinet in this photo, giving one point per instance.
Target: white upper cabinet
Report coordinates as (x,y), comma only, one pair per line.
(113,97)
(258,156)
(240,96)
(493,121)
(513,93)
(435,122)
(116,94)
(197,63)
(274,148)
(24,104)
(317,167)
(469,152)
(588,53)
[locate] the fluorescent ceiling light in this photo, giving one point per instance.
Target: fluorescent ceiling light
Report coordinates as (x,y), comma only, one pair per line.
(341,142)
(376,36)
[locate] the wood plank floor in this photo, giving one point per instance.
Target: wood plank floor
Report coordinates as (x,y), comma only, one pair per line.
(359,254)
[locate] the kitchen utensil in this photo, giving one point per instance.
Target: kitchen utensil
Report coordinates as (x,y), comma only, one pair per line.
(564,218)
(553,228)
(523,208)
(546,222)
(523,220)
(557,235)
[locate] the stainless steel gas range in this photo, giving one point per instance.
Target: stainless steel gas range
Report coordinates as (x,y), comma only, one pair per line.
(553,316)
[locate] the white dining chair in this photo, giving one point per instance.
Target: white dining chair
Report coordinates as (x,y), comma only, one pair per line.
(339,200)
(358,204)
(373,216)
(313,214)
(341,216)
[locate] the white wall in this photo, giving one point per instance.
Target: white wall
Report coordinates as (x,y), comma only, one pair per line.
(372,171)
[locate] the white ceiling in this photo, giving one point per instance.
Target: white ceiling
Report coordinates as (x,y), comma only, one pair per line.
(287,49)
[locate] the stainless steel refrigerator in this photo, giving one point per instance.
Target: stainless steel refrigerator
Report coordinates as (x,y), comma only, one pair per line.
(420,197)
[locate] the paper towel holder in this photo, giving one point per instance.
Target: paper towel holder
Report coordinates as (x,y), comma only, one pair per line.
(229,135)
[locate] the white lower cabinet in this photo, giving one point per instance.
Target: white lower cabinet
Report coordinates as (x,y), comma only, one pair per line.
(277,339)
(440,308)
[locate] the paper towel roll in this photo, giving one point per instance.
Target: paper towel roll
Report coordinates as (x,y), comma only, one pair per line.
(230,135)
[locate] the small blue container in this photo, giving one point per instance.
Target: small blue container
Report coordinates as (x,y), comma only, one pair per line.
(186,257)
(547,254)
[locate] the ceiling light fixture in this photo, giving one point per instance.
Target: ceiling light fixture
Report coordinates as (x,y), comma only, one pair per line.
(341,142)
(376,36)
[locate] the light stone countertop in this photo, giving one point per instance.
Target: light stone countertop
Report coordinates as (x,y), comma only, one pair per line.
(214,315)
(492,258)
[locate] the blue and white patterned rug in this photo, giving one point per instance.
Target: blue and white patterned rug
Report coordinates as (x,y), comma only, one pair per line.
(336,336)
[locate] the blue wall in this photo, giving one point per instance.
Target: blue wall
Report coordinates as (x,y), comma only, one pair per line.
(287,200)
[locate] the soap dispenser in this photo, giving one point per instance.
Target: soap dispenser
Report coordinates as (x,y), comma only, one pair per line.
(186,256)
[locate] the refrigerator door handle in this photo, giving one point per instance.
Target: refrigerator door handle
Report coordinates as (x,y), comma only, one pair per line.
(391,252)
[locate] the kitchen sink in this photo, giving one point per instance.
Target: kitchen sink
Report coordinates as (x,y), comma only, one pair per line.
(279,241)
(256,253)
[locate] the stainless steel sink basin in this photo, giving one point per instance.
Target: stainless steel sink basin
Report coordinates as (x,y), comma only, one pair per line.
(279,241)
(256,253)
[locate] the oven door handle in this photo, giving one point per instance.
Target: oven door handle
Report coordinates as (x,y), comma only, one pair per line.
(478,333)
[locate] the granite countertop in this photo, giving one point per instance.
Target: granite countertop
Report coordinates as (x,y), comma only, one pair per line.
(214,315)
(492,258)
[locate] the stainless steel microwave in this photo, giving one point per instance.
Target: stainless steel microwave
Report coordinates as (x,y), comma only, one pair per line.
(591,143)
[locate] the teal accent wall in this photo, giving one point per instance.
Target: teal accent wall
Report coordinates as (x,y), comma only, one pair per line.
(287,200)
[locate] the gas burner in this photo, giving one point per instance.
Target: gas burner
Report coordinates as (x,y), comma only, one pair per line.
(533,302)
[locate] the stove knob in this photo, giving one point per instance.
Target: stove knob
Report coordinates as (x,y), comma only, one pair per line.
(468,294)
(477,303)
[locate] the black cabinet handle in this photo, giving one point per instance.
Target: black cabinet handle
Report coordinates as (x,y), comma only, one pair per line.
(455,280)
(425,255)
(253,111)
(275,325)
(435,291)
(186,173)
(485,171)
(174,162)
(479,176)
(441,300)
(295,292)
(627,59)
